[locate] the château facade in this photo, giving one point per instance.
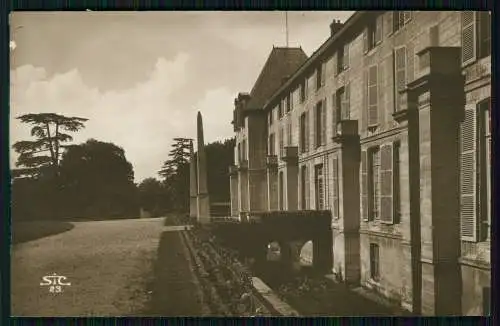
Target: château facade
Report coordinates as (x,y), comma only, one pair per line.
(387,125)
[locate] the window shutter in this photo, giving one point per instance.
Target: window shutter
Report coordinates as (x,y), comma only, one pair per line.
(307,137)
(386,182)
(334,115)
(323,73)
(365,40)
(326,173)
(323,122)
(372,96)
(335,190)
(364,111)
(346,55)
(469,48)
(400,74)
(468,178)
(364,185)
(378,29)
(388,26)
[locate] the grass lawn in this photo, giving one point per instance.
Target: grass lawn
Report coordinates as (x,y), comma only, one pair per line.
(32,230)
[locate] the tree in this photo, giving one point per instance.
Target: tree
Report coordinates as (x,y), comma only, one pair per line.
(43,155)
(98,181)
(219,157)
(175,172)
(152,196)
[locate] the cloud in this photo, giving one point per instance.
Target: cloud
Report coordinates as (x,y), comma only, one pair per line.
(143,119)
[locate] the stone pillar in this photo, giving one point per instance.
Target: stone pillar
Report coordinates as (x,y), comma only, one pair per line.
(193,184)
(292,177)
(411,272)
(243,186)
(349,200)
(203,206)
(272,183)
(233,184)
(440,101)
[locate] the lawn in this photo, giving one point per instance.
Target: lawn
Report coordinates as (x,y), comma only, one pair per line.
(32,230)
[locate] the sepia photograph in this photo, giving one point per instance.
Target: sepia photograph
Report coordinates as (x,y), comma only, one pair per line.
(250,163)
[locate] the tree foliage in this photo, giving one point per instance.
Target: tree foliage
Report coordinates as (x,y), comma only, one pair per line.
(175,174)
(51,132)
(98,181)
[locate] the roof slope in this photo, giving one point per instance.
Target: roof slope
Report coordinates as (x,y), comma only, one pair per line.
(282,62)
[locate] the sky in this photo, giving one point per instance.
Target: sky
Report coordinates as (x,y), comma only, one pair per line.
(141,77)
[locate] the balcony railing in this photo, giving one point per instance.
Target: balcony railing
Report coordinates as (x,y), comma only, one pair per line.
(272,160)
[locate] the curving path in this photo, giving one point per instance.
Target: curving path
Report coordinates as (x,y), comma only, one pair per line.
(109,265)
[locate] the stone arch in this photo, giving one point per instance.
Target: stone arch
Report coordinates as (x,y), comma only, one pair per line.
(306,254)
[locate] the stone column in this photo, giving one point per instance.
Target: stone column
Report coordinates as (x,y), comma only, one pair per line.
(292,177)
(440,101)
(243,186)
(203,207)
(411,273)
(272,183)
(233,183)
(193,184)
(349,200)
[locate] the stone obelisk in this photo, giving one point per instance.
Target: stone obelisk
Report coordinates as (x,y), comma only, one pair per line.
(203,203)
(193,184)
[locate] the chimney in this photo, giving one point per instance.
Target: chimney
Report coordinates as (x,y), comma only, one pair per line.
(335,26)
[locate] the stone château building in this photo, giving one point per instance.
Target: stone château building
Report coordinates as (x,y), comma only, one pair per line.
(387,125)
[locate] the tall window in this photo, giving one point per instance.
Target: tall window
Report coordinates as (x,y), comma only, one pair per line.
(319,77)
(485,168)
(373,34)
(476,35)
(302,92)
(303,133)
(343,58)
(319,125)
(343,103)
(280,109)
(374,184)
(319,187)
(304,187)
(399,73)
(288,103)
(372,96)
(244,149)
(401,18)
(374,262)
(270,117)
(396,182)
(289,133)
(240,158)
(335,191)
(271,145)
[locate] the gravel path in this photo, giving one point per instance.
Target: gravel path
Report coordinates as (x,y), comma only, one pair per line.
(109,264)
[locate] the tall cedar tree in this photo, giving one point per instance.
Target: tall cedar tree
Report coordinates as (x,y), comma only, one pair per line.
(175,172)
(36,157)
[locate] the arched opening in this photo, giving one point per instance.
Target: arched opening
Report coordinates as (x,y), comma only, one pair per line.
(306,254)
(273,251)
